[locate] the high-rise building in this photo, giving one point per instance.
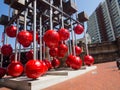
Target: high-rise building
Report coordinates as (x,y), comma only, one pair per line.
(104,23)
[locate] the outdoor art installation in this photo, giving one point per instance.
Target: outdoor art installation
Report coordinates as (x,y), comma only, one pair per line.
(49,31)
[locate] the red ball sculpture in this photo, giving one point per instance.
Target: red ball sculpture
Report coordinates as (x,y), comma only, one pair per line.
(78,29)
(51,38)
(6,50)
(29,55)
(78,50)
(15,69)
(69,60)
(55,63)
(76,63)
(53,52)
(62,49)
(24,38)
(34,69)
(11,31)
(64,34)
(48,64)
(88,60)
(2,72)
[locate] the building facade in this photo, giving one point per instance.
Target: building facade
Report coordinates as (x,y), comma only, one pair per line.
(104,23)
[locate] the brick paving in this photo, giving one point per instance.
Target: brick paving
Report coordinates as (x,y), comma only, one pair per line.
(105,77)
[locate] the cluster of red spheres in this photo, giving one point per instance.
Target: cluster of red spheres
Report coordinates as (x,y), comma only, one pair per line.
(74,62)
(55,40)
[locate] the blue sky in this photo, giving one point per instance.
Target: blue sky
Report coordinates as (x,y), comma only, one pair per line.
(83,5)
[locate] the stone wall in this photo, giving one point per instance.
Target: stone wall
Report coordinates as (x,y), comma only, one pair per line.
(104,52)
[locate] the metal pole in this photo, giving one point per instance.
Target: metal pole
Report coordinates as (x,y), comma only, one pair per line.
(51,23)
(34,34)
(72,38)
(16,41)
(40,37)
(8,20)
(61,7)
(51,15)
(76,14)
(19,52)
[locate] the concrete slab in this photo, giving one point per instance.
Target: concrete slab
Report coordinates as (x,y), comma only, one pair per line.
(51,78)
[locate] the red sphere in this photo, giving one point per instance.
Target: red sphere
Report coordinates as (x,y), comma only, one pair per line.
(78,50)
(76,63)
(11,31)
(48,64)
(34,69)
(55,63)
(2,72)
(51,38)
(62,49)
(64,34)
(53,52)
(6,50)
(29,55)
(24,38)
(15,68)
(69,60)
(78,29)
(31,31)
(88,60)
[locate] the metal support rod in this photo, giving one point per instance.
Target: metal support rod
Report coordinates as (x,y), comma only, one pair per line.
(40,37)
(34,28)
(19,52)
(3,37)
(51,15)
(16,41)
(25,18)
(73,44)
(61,7)
(75,39)
(76,14)
(70,46)
(9,9)
(51,24)
(44,50)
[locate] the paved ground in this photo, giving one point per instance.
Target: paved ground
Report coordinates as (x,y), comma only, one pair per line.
(105,77)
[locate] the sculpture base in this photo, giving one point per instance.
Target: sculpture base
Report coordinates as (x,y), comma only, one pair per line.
(51,78)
